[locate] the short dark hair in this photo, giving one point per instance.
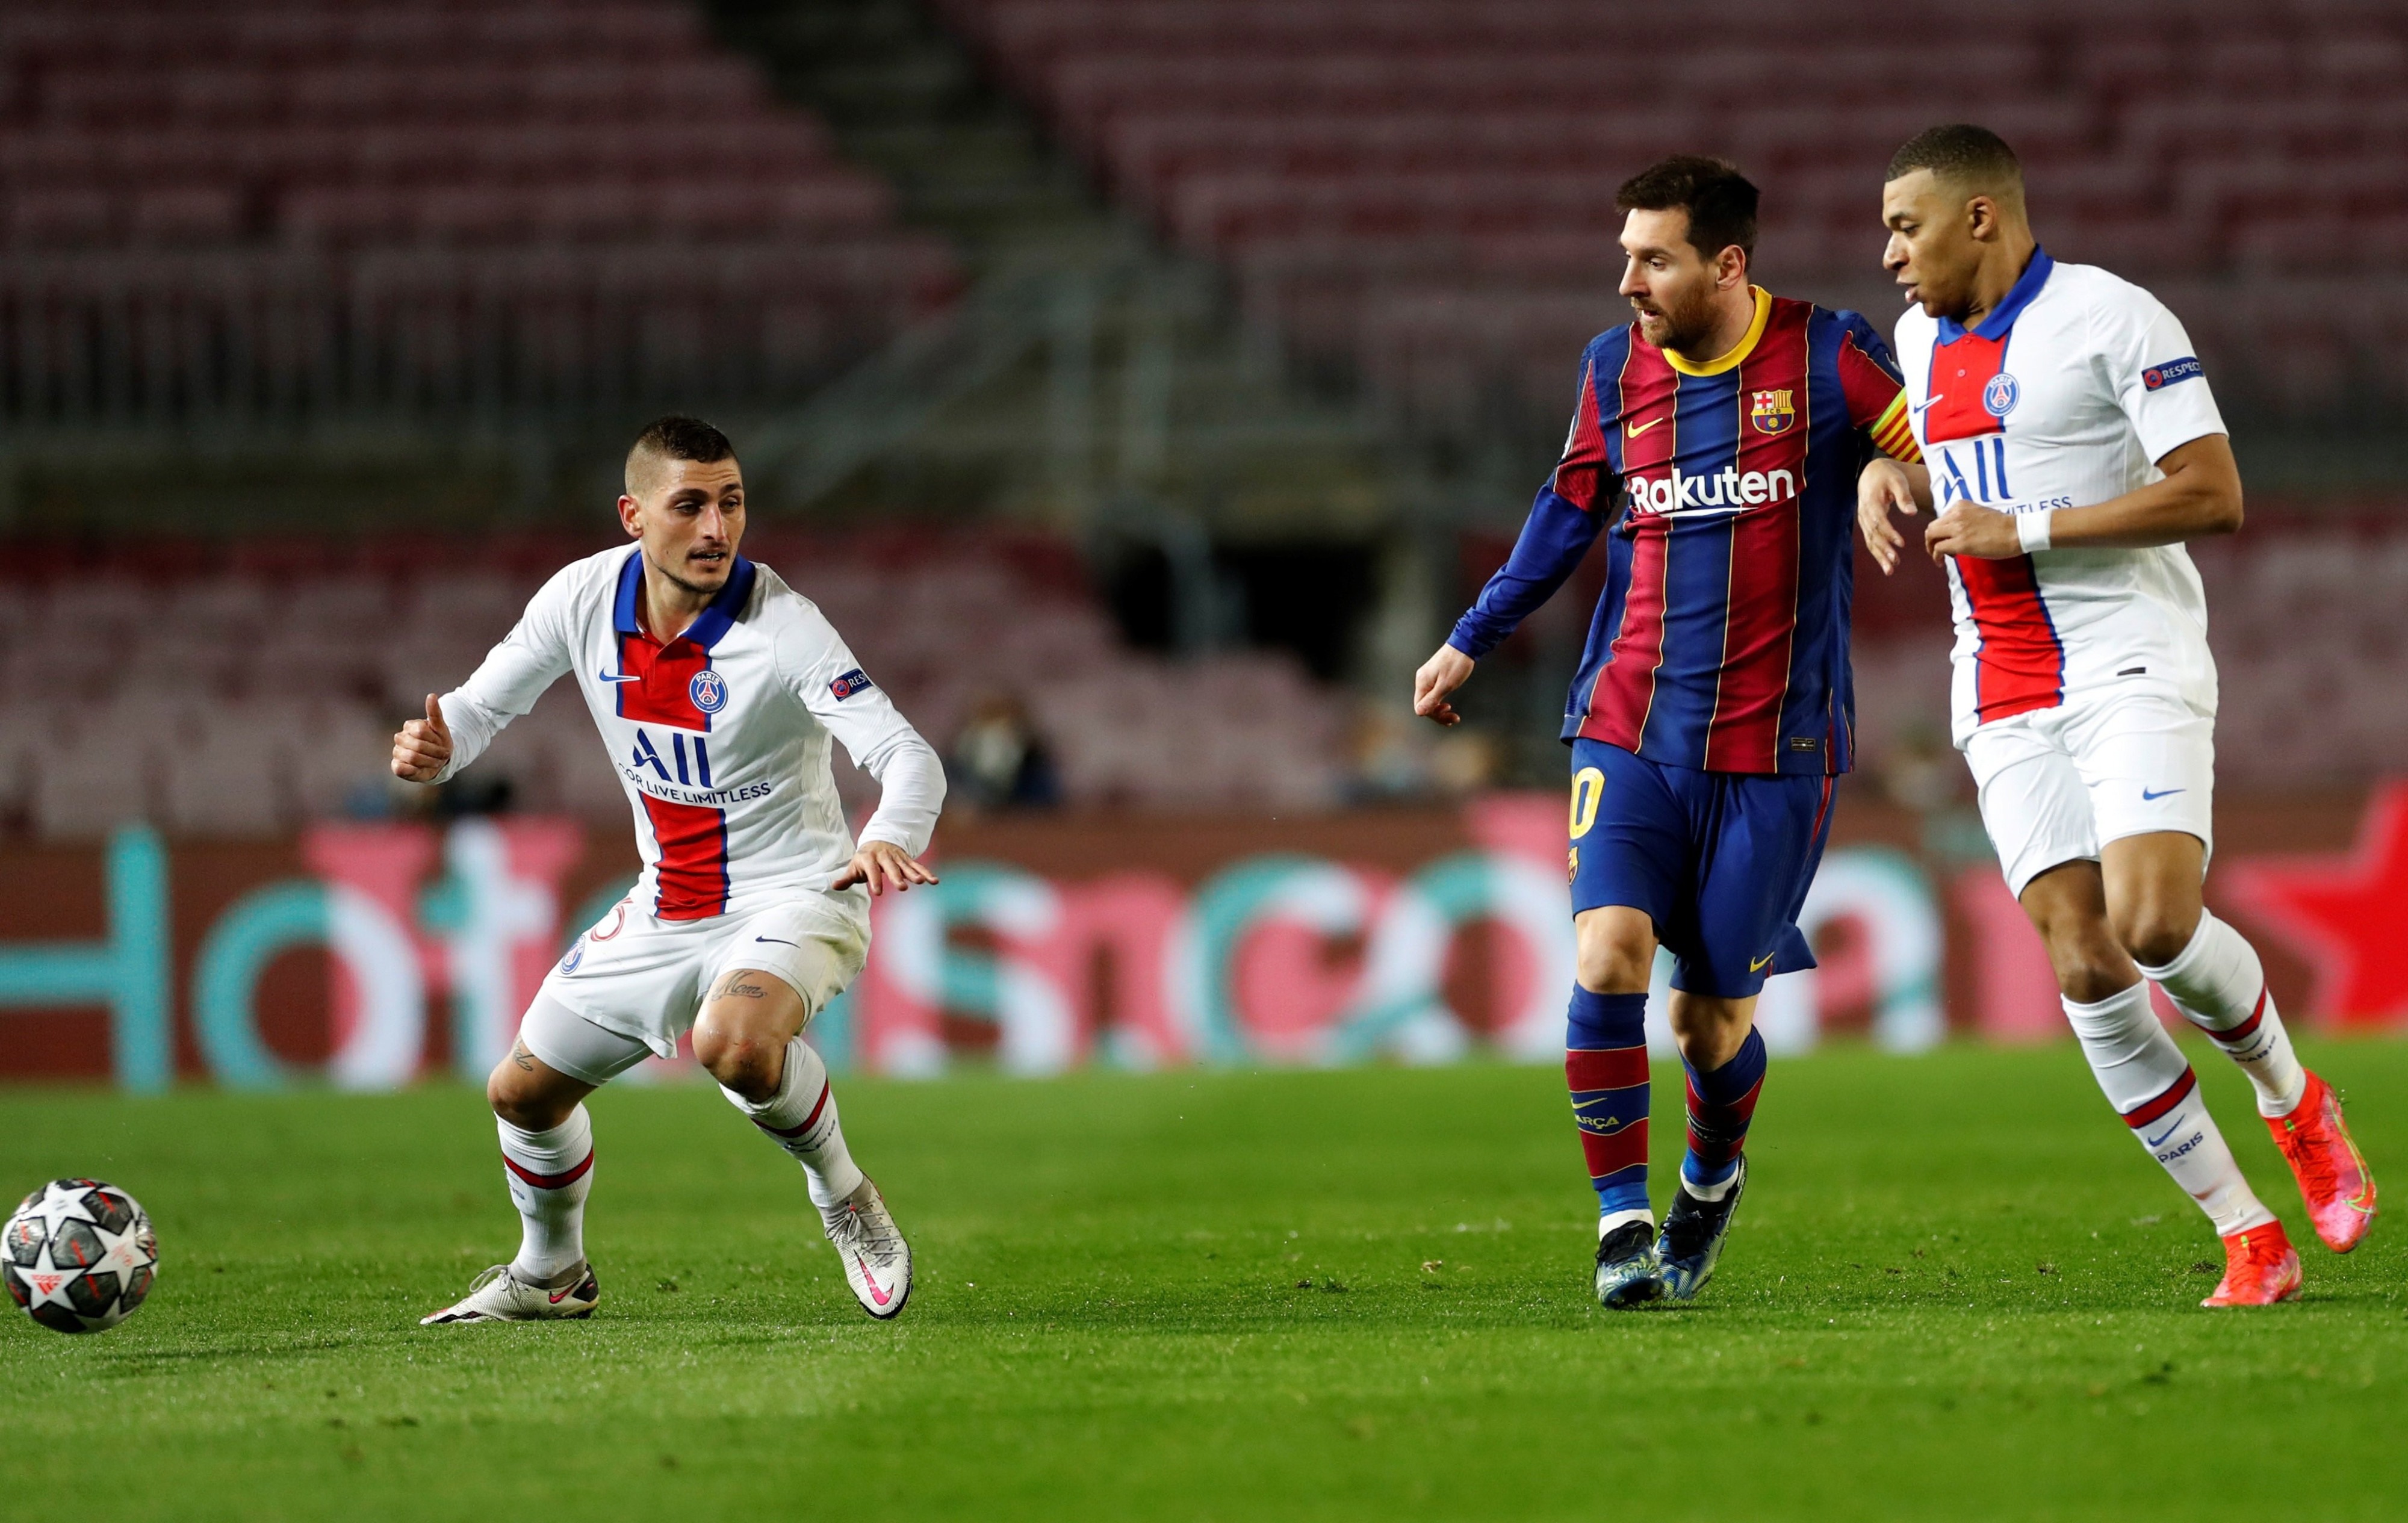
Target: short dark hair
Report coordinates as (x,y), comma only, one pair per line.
(678,437)
(1720,201)
(1974,158)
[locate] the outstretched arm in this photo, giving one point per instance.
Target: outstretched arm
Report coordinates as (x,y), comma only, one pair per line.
(1553,541)
(461,724)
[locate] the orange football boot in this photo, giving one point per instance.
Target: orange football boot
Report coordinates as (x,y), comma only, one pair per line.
(2333,1178)
(2259,1269)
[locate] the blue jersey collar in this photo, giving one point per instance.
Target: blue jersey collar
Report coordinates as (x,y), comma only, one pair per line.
(708,627)
(1998,319)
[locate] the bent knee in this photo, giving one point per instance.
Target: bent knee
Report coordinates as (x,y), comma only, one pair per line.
(2155,934)
(745,1061)
(518,1100)
(1616,955)
(2089,965)
(1613,971)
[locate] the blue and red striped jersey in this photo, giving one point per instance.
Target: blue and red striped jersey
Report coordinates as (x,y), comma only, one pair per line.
(1722,640)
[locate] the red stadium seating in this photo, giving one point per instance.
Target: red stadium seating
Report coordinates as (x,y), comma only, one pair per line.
(166,168)
(1383,170)
(155,684)
(124,688)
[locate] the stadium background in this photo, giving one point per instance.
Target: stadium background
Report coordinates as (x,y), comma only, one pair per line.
(1142,388)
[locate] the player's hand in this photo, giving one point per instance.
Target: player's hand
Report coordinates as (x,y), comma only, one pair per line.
(1882,489)
(880,864)
(423,746)
(1440,675)
(1971,529)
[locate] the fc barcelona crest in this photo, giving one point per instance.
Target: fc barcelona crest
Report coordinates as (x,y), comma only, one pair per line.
(1772,413)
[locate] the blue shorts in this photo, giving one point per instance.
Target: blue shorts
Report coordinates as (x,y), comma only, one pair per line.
(1720,861)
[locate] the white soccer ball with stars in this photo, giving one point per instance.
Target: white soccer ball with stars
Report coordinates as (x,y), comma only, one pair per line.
(78,1255)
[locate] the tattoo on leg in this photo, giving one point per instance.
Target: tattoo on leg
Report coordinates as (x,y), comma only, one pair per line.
(742,991)
(519,1056)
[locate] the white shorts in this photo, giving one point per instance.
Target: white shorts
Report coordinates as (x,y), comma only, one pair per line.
(2058,783)
(641,981)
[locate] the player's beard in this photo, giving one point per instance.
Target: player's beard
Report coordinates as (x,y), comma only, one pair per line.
(1685,326)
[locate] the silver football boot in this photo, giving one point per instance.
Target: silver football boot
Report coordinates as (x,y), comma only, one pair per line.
(877,1260)
(499,1295)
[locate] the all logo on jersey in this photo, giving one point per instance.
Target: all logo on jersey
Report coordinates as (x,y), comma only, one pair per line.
(646,754)
(855,681)
(709,691)
(1988,482)
(1999,395)
(1773,412)
(2158,377)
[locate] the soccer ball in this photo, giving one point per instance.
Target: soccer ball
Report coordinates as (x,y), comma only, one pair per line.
(78,1255)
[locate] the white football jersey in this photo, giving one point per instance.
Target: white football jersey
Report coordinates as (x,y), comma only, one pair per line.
(2067,394)
(720,736)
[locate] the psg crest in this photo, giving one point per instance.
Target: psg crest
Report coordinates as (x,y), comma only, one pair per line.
(709,691)
(1999,395)
(1772,413)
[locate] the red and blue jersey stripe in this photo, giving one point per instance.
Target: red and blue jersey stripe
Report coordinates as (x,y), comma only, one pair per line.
(1720,642)
(658,683)
(2019,664)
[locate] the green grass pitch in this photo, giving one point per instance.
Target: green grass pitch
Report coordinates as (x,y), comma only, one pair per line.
(1957,1291)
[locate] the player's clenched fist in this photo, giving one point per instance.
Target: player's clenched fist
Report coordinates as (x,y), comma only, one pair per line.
(1441,674)
(423,746)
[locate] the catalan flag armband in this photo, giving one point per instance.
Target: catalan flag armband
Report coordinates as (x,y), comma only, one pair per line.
(1894,435)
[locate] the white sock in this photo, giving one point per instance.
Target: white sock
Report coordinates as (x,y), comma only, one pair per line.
(2217,983)
(1708,1192)
(802,1118)
(549,1174)
(2151,1086)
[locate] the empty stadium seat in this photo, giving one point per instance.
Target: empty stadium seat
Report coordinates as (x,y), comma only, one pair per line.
(239,690)
(316,143)
(1332,149)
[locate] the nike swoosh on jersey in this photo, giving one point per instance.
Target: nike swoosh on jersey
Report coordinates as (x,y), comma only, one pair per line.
(1634,430)
(780,940)
(1758,965)
(617,677)
(2165,793)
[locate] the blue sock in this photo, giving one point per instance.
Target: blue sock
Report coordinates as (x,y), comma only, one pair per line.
(1605,1063)
(1721,1105)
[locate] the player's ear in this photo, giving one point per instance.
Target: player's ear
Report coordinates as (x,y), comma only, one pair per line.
(1731,267)
(630,516)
